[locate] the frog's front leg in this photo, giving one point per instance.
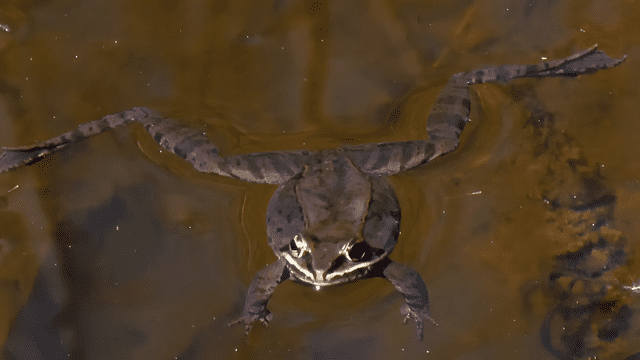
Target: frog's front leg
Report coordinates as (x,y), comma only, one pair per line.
(260,290)
(410,284)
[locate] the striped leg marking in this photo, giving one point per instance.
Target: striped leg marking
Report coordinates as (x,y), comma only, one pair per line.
(190,144)
(450,112)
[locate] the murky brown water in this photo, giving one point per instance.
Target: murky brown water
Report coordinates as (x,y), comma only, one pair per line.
(138,256)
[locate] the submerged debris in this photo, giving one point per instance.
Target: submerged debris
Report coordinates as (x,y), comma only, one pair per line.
(594,315)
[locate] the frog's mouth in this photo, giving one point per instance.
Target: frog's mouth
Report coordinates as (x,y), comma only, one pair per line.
(345,272)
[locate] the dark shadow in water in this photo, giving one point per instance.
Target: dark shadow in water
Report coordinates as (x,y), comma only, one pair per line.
(33,334)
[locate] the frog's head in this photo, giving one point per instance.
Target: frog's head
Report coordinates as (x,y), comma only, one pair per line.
(328,262)
(330,234)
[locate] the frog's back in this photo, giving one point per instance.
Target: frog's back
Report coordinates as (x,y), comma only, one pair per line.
(335,201)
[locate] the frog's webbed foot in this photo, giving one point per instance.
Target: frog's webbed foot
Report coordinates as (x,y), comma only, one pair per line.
(419,315)
(14,157)
(584,62)
(264,316)
(409,283)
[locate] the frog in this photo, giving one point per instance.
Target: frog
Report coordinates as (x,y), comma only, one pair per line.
(334,218)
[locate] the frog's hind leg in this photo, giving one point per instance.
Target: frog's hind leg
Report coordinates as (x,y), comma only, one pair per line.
(190,144)
(450,112)
(13,157)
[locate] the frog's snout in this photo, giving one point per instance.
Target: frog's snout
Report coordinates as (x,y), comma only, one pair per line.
(322,260)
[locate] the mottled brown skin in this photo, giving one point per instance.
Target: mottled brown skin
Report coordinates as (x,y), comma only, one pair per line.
(333,219)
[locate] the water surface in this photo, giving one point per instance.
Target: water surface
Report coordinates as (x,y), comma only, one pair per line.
(130,253)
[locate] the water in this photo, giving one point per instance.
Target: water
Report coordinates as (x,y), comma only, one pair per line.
(138,256)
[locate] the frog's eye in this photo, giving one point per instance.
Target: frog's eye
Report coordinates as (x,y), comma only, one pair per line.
(359,251)
(297,246)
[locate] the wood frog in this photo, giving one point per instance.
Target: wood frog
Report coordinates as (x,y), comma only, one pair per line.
(333,219)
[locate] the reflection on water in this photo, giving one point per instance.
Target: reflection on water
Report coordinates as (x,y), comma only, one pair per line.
(141,257)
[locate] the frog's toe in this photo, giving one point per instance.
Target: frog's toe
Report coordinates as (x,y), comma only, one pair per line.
(247,323)
(264,317)
(235,321)
(406,318)
(419,327)
(265,320)
(419,316)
